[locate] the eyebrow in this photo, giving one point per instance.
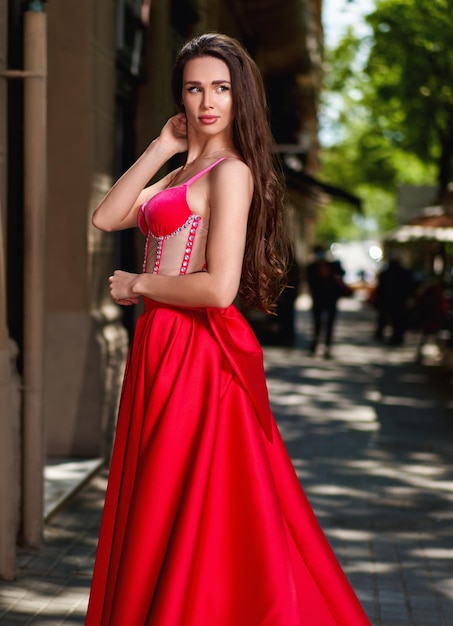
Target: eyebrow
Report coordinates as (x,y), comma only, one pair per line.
(214,82)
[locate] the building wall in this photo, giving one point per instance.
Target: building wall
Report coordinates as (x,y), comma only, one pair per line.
(154,102)
(85,342)
(9,379)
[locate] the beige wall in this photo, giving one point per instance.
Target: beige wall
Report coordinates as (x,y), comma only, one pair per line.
(82,340)
(154,101)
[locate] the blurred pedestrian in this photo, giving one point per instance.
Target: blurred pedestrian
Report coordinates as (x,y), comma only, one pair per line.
(431,306)
(394,287)
(326,286)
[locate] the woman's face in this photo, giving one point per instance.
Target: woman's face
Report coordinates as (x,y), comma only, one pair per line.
(207,95)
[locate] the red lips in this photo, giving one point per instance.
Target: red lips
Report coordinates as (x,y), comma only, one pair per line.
(208,119)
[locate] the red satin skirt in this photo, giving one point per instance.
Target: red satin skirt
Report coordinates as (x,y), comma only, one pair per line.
(205,522)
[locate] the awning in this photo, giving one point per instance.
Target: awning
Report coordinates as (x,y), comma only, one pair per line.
(307,184)
(300,181)
(409,232)
(434,223)
(434,216)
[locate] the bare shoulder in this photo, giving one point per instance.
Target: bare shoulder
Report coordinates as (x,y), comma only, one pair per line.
(232,166)
(230,190)
(231,179)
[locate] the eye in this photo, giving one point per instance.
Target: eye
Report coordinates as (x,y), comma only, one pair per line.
(194,89)
(222,88)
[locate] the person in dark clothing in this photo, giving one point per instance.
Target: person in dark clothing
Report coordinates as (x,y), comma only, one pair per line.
(395,285)
(285,307)
(325,283)
(432,311)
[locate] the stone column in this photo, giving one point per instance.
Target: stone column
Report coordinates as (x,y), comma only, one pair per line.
(9,379)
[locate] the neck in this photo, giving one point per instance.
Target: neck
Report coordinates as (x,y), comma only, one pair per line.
(208,155)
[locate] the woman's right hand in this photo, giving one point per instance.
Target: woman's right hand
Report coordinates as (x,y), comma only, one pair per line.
(118,210)
(174,133)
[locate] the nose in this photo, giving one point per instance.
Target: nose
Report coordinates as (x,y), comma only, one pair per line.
(207,100)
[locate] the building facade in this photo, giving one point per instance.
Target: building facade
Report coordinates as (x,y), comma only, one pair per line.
(84,86)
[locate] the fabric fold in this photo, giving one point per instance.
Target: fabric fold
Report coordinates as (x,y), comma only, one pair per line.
(245,356)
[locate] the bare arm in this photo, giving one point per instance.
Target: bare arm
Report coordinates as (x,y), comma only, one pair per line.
(118,210)
(218,286)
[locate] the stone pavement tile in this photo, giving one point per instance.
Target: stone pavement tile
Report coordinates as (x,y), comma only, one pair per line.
(370,610)
(444,587)
(53,583)
(428,619)
(10,594)
(394,613)
(57,621)
(50,605)
(446,610)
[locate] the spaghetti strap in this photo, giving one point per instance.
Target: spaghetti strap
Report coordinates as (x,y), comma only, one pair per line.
(206,169)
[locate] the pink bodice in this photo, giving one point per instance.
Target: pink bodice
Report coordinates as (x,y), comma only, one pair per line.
(176,237)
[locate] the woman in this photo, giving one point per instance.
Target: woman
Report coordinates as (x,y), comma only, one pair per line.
(205,523)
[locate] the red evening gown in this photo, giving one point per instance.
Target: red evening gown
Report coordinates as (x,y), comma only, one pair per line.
(205,522)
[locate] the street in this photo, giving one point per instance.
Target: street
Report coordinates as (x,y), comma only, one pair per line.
(370,433)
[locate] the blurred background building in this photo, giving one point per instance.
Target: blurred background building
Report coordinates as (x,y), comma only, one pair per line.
(84,86)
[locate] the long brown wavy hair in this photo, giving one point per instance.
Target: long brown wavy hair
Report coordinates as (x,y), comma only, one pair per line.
(267,247)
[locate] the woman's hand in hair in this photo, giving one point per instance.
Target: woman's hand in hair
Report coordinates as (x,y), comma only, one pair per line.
(174,133)
(118,210)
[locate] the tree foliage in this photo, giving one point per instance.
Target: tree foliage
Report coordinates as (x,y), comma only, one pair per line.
(410,66)
(388,99)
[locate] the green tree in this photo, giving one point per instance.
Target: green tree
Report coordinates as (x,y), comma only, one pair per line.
(410,66)
(357,155)
(389,103)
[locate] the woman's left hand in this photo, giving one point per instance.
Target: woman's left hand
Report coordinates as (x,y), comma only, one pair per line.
(121,288)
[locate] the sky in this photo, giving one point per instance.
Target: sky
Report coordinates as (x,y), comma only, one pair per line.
(339,14)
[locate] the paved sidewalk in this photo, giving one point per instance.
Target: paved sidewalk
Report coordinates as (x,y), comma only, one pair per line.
(370,433)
